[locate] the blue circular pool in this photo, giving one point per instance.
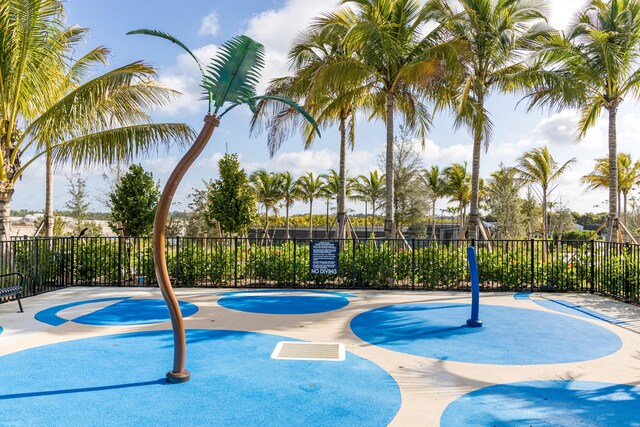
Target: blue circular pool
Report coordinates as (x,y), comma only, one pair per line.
(119,380)
(283,304)
(123,312)
(547,403)
(509,336)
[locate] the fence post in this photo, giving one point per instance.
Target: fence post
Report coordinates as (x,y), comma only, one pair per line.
(592,267)
(235,272)
(625,259)
(73,260)
(36,262)
(120,260)
(413,264)
(295,265)
(177,272)
(533,260)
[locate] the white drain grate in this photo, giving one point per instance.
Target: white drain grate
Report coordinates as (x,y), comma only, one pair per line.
(327,351)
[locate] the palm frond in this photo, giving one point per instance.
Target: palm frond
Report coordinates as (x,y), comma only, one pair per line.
(233,75)
(169,37)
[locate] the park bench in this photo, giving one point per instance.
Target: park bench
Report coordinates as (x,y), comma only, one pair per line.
(11,291)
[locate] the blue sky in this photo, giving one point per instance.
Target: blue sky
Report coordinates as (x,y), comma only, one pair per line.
(205,24)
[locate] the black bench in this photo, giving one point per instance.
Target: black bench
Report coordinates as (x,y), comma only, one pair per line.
(11,291)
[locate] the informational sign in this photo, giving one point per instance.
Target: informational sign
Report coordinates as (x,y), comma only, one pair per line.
(324,257)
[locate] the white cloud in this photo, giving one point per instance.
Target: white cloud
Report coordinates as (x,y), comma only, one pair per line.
(209,25)
(277,29)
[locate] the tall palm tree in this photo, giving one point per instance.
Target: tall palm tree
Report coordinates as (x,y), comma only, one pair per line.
(539,167)
(498,35)
(309,189)
(289,194)
(371,189)
(433,179)
(268,190)
(397,61)
(628,177)
(458,185)
(593,67)
(50,108)
(328,102)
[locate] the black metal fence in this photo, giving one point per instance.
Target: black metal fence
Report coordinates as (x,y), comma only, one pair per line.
(506,265)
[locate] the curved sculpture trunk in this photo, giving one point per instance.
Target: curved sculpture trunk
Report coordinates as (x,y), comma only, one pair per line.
(179,374)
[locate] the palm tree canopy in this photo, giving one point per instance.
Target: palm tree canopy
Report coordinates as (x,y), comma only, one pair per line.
(370,188)
(267,187)
(538,166)
(433,179)
(289,188)
(498,36)
(628,174)
(594,65)
(310,187)
(47,103)
(458,182)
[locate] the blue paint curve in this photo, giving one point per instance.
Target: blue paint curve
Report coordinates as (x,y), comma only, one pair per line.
(547,403)
(118,380)
(509,336)
(268,304)
(286,291)
(126,311)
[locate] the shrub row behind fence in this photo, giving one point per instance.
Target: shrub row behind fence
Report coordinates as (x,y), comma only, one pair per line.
(508,265)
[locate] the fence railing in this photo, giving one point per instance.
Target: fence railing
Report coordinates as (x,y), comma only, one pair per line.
(508,265)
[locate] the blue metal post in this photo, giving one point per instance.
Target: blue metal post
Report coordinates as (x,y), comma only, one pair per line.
(474,322)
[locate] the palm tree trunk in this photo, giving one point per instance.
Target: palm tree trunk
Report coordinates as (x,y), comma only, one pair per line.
(612,229)
(48,205)
(475,182)
(389,220)
(286,221)
(5,212)
(342,173)
(624,212)
(310,218)
(179,373)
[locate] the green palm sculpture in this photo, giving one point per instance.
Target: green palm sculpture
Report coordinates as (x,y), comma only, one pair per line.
(229,80)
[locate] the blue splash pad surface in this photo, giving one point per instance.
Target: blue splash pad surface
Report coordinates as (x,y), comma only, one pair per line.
(125,311)
(287,291)
(283,304)
(547,403)
(119,380)
(509,336)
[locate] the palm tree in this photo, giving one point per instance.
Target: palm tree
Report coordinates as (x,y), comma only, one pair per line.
(289,194)
(498,34)
(268,189)
(593,68)
(372,189)
(458,185)
(49,108)
(231,78)
(628,177)
(328,102)
(397,62)
(310,188)
(538,167)
(434,181)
